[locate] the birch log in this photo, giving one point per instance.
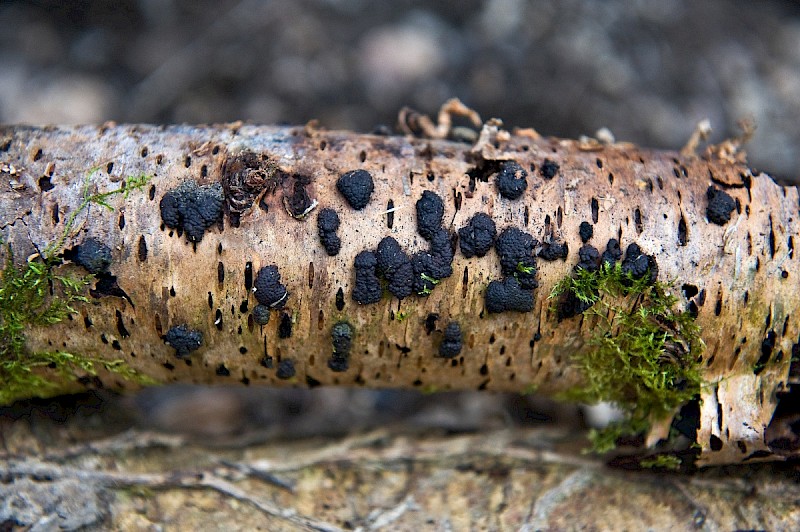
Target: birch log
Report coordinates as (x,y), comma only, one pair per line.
(176,300)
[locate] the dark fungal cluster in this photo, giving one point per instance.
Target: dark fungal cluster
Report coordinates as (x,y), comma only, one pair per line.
(327,225)
(367,287)
(406,275)
(636,265)
(720,206)
(395,266)
(511,180)
(269,290)
(551,251)
(342,340)
(92,255)
(477,237)
(192,209)
(184,340)
(452,342)
(356,186)
(549,169)
(508,295)
(435,263)
(515,248)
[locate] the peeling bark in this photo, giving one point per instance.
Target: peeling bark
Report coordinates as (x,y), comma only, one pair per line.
(226,201)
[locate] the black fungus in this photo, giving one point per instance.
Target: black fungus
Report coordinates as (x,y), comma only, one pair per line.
(327,225)
(93,255)
(268,288)
(553,250)
(222,371)
(356,186)
(586,231)
(452,343)
(549,169)
(395,266)
(433,265)
(367,287)
(612,253)
(430,211)
(261,314)
(720,206)
(183,340)
(511,180)
(508,295)
(638,265)
(515,249)
(192,208)
(477,237)
(342,340)
(588,258)
(285,369)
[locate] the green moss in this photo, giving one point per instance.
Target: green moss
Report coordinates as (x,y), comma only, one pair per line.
(37,295)
(643,356)
(425,277)
(662,461)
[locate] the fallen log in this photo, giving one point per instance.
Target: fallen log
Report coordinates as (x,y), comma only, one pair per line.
(660,281)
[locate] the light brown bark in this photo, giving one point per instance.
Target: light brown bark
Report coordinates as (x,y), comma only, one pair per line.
(746,269)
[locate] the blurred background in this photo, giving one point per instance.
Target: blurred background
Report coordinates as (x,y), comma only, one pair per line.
(648,70)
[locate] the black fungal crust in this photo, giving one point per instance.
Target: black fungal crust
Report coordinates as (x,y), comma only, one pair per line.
(433,265)
(612,253)
(192,209)
(511,180)
(720,206)
(549,169)
(508,295)
(261,314)
(553,251)
(342,340)
(395,266)
(589,258)
(586,231)
(477,237)
(183,340)
(515,249)
(356,186)
(285,369)
(430,211)
(92,255)
(327,225)
(638,265)
(367,287)
(452,342)
(268,288)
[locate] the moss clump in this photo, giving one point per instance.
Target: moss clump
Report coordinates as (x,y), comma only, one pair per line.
(37,295)
(644,356)
(662,461)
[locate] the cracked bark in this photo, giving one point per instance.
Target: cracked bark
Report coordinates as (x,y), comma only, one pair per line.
(742,274)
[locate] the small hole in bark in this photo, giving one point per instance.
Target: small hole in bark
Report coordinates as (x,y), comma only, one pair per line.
(390,214)
(172,291)
(715,443)
(323,145)
(187,162)
(637,219)
(310,275)
(109,168)
(159,159)
(220,272)
(144,152)
(362,156)
(689,290)
(595,210)
(340,299)
(218,319)
(121,221)
(683,236)
(152,192)
(599,163)
(204,171)
(54,214)
(45,184)
(142,251)
(718,306)
(37,155)
(610,178)
(248,276)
